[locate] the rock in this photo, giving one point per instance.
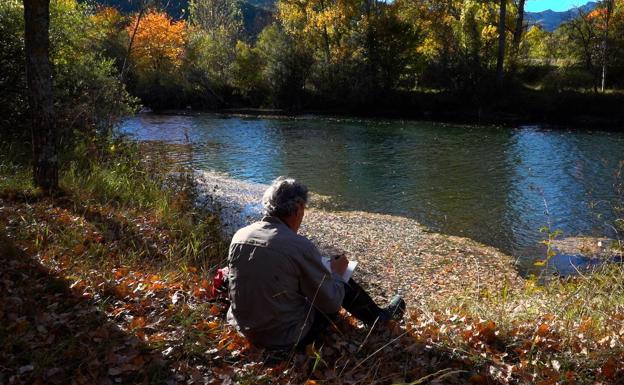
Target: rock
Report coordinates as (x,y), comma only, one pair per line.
(588,246)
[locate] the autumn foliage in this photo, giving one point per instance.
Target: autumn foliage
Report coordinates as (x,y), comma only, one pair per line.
(159,42)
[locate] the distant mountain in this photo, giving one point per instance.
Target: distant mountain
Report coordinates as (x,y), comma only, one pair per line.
(550,20)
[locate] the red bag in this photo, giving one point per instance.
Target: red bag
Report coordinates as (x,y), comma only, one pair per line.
(220,283)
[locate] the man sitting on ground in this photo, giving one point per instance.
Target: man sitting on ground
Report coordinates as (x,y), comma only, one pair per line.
(281,293)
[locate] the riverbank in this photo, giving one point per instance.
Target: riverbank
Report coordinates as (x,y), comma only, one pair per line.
(396,254)
(117,272)
(465,298)
(581,110)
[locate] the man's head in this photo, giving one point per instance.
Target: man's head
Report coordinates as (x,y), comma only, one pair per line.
(286,199)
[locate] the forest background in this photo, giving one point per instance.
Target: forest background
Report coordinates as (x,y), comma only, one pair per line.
(478,61)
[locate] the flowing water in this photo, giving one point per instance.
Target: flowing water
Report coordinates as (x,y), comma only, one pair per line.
(496,185)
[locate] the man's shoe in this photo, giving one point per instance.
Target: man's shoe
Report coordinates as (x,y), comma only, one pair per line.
(395,309)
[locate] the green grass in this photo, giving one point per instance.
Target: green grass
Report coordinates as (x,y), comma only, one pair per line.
(15,173)
(575,322)
(120,195)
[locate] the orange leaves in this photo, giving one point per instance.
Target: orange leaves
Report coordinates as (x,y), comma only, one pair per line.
(215,310)
(480,333)
(207,325)
(203,289)
(121,291)
(609,368)
(487,331)
(137,323)
(231,341)
(542,330)
(120,272)
(159,42)
(192,329)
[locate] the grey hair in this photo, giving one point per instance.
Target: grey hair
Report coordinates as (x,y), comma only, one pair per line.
(283,196)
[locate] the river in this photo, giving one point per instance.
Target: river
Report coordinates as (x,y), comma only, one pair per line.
(497,185)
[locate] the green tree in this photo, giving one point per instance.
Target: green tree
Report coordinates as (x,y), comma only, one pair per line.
(86,81)
(247,73)
(538,48)
(502,33)
(518,33)
(207,68)
(584,42)
(216,28)
(286,67)
(389,50)
(86,87)
(12,64)
(359,48)
(222,19)
(459,40)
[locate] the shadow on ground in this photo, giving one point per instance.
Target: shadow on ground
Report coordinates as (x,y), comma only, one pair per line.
(52,335)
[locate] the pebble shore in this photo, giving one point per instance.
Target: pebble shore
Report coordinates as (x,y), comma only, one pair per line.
(395,254)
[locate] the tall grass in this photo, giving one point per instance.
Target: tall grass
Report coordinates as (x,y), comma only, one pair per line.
(114,190)
(15,172)
(571,325)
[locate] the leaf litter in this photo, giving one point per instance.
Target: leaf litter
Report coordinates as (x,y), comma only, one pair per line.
(77,309)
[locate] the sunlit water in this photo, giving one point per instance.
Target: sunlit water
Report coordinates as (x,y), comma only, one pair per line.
(496,185)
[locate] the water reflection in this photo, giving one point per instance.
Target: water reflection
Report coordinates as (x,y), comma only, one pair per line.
(496,185)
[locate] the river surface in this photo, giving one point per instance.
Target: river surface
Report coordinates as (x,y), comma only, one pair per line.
(496,185)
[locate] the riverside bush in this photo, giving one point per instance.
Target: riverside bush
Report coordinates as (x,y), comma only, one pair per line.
(88,93)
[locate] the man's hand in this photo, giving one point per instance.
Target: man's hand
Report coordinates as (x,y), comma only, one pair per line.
(339,264)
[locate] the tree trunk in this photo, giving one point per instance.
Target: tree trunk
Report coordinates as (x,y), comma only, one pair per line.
(371,49)
(326,37)
(39,76)
(500,62)
(517,37)
(605,42)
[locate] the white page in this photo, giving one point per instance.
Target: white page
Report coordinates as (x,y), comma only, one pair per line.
(347,274)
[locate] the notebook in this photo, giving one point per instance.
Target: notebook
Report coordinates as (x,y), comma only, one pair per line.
(347,274)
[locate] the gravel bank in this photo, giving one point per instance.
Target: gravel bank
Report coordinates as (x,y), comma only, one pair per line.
(395,253)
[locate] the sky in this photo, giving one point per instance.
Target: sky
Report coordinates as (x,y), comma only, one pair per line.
(555,5)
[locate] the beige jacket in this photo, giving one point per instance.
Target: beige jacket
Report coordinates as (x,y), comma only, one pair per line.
(275,275)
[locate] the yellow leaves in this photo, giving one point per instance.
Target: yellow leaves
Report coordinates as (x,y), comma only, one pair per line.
(106,22)
(159,42)
(321,23)
(489,32)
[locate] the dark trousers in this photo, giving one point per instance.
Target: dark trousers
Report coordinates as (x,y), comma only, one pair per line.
(356,301)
